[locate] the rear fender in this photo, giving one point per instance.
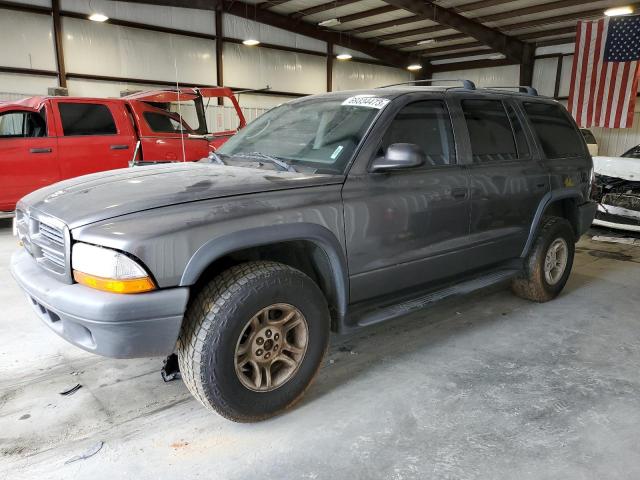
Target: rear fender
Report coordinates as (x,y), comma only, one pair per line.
(551,197)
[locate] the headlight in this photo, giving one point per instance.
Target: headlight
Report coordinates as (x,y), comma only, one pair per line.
(108,270)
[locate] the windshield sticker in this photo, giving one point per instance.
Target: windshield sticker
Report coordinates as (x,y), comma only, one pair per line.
(368,101)
(336,152)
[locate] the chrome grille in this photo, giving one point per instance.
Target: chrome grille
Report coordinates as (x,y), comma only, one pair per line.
(53,234)
(47,240)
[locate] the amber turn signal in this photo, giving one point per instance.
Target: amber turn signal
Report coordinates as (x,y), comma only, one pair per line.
(131,285)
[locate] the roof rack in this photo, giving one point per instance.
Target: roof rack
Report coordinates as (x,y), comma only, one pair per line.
(521,88)
(467,84)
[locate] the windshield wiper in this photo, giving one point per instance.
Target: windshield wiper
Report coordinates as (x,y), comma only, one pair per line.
(263,156)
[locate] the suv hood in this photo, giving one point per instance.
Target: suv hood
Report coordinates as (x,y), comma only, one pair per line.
(104,195)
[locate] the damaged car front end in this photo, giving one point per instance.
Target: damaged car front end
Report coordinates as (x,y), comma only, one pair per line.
(616,188)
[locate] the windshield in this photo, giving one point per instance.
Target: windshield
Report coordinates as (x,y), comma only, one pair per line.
(632,153)
(320,133)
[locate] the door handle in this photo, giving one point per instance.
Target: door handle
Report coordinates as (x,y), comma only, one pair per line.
(41,150)
(541,185)
(460,192)
(119,147)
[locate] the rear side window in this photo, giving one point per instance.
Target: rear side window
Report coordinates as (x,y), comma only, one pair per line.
(12,124)
(426,124)
(22,124)
(86,119)
(490,131)
(160,123)
(556,134)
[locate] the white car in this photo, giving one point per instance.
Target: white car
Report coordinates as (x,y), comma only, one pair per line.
(617,191)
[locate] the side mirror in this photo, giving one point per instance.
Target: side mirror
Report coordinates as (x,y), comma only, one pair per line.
(399,156)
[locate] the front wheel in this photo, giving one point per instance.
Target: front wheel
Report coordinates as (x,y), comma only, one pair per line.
(548,265)
(253,339)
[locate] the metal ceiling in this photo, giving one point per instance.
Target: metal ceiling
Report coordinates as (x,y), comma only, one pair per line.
(390,30)
(379,22)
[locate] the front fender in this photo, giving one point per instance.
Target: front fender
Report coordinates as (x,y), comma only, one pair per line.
(255,237)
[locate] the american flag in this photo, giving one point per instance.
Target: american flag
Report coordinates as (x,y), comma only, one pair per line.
(604,77)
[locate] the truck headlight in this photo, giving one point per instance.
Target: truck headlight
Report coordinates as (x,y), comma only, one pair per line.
(109,270)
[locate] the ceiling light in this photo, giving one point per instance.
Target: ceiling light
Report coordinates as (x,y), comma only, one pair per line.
(612,12)
(414,67)
(332,22)
(426,42)
(251,42)
(344,56)
(98,17)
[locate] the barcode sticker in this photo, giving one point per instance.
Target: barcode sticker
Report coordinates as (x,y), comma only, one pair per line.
(336,152)
(368,101)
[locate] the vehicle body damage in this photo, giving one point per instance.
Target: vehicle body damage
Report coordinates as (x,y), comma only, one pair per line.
(47,139)
(617,191)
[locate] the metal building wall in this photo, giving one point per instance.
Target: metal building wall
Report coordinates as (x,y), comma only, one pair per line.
(485,77)
(108,50)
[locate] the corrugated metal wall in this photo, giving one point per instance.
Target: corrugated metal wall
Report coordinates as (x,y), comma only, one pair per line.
(486,77)
(110,50)
(613,142)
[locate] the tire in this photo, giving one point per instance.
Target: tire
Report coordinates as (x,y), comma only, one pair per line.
(219,323)
(532,283)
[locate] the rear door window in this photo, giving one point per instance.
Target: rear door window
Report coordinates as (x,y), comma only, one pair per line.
(22,124)
(86,119)
(426,124)
(555,132)
(12,124)
(490,131)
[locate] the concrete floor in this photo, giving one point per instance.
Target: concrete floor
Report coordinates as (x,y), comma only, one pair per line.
(491,387)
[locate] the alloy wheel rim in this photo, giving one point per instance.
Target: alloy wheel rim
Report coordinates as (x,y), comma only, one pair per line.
(271,347)
(555,261)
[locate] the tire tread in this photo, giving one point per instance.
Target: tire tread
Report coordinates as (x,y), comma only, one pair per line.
(529,284)
(208,315)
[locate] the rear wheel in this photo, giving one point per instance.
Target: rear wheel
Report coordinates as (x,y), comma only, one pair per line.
(548,265)
(253,339)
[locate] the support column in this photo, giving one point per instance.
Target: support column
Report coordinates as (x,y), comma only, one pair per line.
(556,88)
(526,65)
(329,67)
(219,45)
(57,33)
(425,72)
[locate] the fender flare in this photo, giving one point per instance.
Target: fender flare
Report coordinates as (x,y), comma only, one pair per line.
(548,199)
(256,237)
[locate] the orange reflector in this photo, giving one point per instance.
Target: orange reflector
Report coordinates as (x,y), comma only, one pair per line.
(133,285)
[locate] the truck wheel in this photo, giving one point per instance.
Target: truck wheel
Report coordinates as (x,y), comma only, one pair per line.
(548,265)
(253,339)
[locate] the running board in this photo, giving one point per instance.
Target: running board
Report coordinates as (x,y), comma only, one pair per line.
(382,314)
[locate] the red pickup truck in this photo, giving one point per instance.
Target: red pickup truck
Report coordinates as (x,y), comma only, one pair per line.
(47,139)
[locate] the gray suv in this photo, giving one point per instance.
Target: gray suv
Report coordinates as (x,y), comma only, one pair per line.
(327,213)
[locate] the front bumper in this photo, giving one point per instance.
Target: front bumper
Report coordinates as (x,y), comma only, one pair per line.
(109,324)
(620,218)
